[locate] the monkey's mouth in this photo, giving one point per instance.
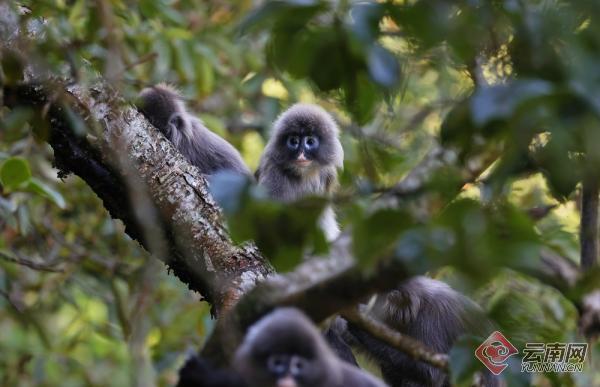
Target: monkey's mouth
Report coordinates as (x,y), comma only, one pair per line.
(303,162)
(287,381)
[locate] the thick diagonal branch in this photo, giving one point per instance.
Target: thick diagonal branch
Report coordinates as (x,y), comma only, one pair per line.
(130,164)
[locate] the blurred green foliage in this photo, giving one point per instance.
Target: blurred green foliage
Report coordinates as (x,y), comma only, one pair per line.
(515,79)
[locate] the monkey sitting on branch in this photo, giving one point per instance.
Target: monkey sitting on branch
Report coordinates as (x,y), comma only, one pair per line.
(302,158)
(427,310)
(282,349)
(163,106)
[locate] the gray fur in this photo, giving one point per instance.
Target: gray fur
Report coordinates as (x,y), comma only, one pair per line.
(164,108)
(288,332)
(430,311)
(283,180)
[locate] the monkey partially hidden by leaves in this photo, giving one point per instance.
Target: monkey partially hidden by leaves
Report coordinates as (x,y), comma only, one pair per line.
(302,158)
(165,109)
(282,349)
(427,310)
(285,349)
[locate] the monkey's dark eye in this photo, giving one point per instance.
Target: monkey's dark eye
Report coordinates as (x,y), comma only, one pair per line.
(311,142)
(293,142)
(297,365)
(177,121)
(278,364)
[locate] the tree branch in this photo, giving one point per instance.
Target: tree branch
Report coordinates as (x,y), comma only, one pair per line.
(30,264)
(320,287)
(414,348)
(131,162)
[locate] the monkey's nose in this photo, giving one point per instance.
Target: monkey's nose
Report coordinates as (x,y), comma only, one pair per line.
(287,381)
(302,161)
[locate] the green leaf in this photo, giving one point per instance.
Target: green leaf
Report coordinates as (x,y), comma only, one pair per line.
(562,171)
(12,66)
(205,76)
(284,232)
(75,121)
(184,61)
(14,123)
(375,235)
(288,14)
(14,173)
(501,101)
(383,67)
(463,363)
(361,97)
(366,17)
(40,188)
(478,239)
(228,189)
(24,220)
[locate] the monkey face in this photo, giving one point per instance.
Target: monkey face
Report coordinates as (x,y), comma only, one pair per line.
(303,149)
(304,143)
(158,103)
(291,370)
(289,360)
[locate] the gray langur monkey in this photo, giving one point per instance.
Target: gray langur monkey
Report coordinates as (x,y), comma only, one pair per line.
(301,158)
(163,106)
(429,311)
(285,349)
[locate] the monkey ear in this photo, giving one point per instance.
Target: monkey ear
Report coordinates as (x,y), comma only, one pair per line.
(178,121)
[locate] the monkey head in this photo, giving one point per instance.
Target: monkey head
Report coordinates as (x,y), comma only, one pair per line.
(305,139)
(163,106)
(285,349)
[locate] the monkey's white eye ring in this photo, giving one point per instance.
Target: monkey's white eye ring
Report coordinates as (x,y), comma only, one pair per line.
(278,364)
(297,365)
(311,142)
(293,142)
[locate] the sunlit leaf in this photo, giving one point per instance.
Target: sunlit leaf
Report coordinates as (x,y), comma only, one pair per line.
(374,235)
(40,188)
(15,173)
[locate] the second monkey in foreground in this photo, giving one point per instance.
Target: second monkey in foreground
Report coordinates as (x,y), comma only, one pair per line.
(282,349)
(302,158)
(285,349)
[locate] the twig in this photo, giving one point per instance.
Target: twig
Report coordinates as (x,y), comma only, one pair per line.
(320,287)
(414,348)
(15,306)
(30,264)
